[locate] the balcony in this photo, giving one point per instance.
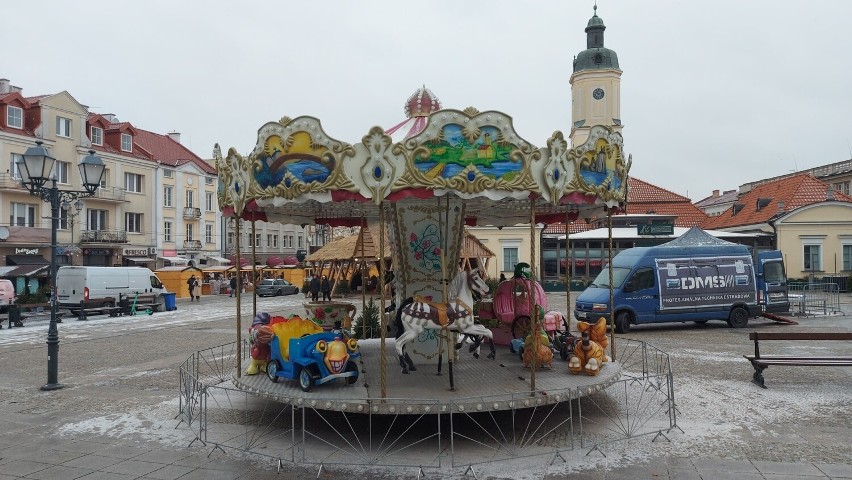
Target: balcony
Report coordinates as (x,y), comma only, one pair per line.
(103,236)
(192,245)
(112,194)
(190,213)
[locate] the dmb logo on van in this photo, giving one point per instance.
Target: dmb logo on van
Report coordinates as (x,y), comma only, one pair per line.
(706,283)
(692,282)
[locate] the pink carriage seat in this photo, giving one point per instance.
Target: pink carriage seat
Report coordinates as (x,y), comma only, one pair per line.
(511,300)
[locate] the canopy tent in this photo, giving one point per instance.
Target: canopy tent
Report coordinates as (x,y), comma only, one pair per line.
(26,260)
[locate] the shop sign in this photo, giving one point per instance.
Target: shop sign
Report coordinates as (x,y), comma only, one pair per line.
(26,251)
(135,252)
(97,252)
(655,229)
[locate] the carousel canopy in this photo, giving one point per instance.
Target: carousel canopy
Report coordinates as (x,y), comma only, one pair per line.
(299,174)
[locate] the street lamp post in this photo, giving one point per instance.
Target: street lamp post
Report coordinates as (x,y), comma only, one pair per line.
(35,168)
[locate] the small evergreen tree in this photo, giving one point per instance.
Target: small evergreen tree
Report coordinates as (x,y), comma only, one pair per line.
(370,317)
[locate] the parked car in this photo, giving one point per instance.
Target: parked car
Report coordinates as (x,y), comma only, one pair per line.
(271,287)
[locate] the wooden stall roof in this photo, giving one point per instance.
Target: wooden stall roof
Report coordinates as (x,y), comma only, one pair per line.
(178,268)
(347,248)
(474,248)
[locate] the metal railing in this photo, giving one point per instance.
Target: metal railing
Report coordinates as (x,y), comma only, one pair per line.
(192,244)
(190,212)
(415,438)
(12,182)
(812,299)
(103,236)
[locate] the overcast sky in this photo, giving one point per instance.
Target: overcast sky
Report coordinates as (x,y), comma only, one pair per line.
(715,93)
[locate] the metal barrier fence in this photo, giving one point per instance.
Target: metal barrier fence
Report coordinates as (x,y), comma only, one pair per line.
(418,438)
(812,299)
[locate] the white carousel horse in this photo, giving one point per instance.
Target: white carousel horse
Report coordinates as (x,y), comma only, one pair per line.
(456,315)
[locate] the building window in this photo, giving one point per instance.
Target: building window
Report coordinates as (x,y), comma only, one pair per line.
(230,239)
(104,178)
(126,142)
(190,198)
(63,127)
(14,170)
(22,215)
(257,240)
(167,195)
(167,231)
(301,241)
(63,219)
(15,117)
(275,241)
(510,258)
(133,182)
(208,201)
(60,169)
(189,232)
(208,233)
(847,257)
(842,187)
(813,258)
(269,240)
(97,220)
(168,173)
(133,222)
(208,180)
(97,136)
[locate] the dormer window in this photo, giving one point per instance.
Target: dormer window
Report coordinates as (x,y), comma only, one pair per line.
(126,143)
(97,136)
(737,207)
(63,127)
(762,202)
(15,117)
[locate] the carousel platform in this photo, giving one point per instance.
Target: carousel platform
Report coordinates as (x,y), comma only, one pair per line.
(480,385)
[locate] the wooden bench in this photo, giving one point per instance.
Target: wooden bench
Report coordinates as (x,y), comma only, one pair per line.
(143,302)
(23,314)
(761,362)
(95,306)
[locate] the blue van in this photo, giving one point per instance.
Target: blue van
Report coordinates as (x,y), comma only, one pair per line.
(695,277)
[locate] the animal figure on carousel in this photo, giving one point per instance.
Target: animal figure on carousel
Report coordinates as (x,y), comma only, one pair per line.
(597,331)
(543,356)
(588,357)
(416,314)
(259,337)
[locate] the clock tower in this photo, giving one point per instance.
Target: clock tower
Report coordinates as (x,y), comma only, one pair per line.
(595,85)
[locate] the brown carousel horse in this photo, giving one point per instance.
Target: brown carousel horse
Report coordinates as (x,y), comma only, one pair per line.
(417,314)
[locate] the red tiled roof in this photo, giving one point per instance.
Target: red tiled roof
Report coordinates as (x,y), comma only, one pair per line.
(644,198)
(795,192)
(121,127)
(169,152)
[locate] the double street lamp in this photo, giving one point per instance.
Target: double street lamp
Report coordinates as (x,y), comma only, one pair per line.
(36,167)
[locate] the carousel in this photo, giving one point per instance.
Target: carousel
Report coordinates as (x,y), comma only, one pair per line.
(422,182)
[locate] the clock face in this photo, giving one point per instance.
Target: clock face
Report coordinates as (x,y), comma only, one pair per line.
(598,93)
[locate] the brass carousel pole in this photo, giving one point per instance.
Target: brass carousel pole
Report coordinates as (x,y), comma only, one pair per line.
(567,275)
(534,324)
(239,288)
(363,283)
(383,367)
(611,292)
(445,280)
(253,268)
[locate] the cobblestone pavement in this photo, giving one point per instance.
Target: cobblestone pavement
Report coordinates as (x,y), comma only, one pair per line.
(115,418)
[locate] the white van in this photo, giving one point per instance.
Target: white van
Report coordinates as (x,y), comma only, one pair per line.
(7,294)
(83,283)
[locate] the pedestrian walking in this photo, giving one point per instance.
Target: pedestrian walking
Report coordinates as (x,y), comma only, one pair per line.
(326,289)
(315,288)
(193,285)
(233,285)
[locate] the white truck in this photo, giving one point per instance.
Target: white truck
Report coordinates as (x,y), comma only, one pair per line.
(84,283)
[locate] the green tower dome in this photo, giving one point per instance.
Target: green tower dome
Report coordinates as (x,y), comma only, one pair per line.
(595,56)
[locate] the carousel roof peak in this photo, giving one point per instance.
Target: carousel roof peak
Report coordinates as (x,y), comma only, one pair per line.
(421,103)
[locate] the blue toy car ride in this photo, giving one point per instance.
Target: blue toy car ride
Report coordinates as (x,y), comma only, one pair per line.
(314,359)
